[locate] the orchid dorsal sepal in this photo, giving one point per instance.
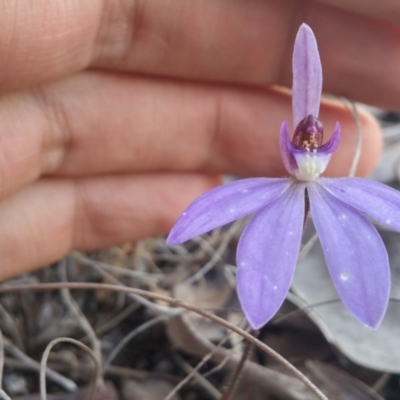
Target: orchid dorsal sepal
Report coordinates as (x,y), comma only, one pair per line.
(307,75)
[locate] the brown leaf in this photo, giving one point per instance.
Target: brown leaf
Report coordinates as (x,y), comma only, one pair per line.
(339,385)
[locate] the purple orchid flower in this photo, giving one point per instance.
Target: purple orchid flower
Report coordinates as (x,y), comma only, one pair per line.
(269,246)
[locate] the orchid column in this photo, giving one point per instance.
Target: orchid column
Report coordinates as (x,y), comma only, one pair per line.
(269,246)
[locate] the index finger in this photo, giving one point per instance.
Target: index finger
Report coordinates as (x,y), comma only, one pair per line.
(388,10)
(42,41)
(241,41)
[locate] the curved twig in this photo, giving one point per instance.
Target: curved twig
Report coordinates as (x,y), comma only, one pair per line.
(141,328)
(73,307)
(96,374)
(177,303)
(57,378)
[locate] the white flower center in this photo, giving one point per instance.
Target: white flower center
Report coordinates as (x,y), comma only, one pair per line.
(310,164)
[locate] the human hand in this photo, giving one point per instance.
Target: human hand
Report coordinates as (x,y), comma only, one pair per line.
(114,115)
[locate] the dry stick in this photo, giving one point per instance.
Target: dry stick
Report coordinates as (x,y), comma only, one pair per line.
(113,322)
(237,373)
(308,246)
(112,268)
(10,326)
(76,311)
(139,375)
(196,369)
(220,365)
(156,308)
(228,356)
(203,382)
(188,339)
(4,395)
(176,303)
(215,258)
(306,309)
(135,332)
(188,377)
(96,374)
(207,244)
(382,380)
(67,384)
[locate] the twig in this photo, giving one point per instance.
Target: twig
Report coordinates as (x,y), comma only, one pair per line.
(200,379)
(10,328)
(194,370)
(136,332)
(228,356)
(112,268)
(4,395)
(306,309)
(67,384)
(156,308)
(76,311)
(207,243)
(187,338)
(141,375)
(96,373)
(177,303)
(125,313)
(237,373)
(308,246)
(216,257)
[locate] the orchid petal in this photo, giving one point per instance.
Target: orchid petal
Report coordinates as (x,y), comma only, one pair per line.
(267,255)
(333,143)
(307,75)
(355,255)
(378,201)
(286,148)
(225,204)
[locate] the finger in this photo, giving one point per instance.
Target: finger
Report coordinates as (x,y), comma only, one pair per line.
(385,9)
(44,221)
(100,123)
(41,41)
(219,40)
(251,42)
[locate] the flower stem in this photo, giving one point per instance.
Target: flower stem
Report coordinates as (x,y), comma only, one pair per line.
(237,373)
(306,210)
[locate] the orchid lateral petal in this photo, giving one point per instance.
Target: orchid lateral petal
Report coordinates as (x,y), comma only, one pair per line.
(225,204)
(307,75)
(333,143)
(285,146)
(355,255)
(378,201)
(267,255)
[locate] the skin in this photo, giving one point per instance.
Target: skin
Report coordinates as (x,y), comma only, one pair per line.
(115,114)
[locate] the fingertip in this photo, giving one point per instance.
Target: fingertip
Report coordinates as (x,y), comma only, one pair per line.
(361,137)
(372,143)
(147,205)
(42,222)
